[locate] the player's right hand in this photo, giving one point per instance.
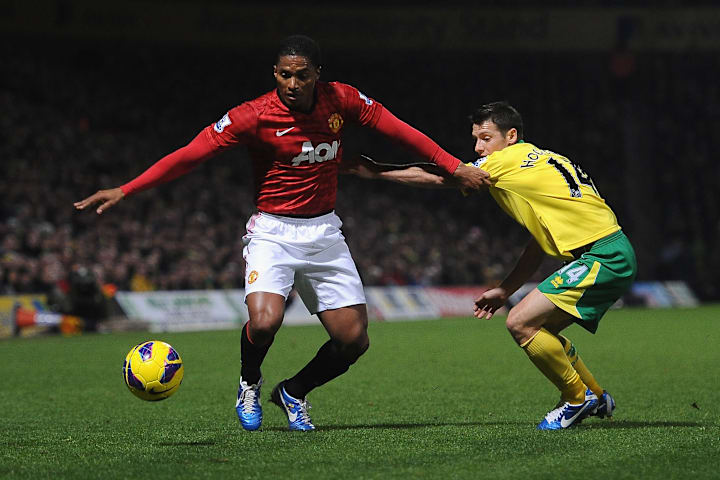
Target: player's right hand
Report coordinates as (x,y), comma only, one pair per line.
(490,302)
(472,177)
(106,199)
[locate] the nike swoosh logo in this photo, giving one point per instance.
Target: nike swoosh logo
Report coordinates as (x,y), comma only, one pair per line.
(280,133)
(566,422)
(155,391)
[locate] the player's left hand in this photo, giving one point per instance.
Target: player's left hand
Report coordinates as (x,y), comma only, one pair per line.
(472,177)
(490,302)
(106,199)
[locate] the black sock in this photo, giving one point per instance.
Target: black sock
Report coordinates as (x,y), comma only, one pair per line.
(327,364)
(251,357)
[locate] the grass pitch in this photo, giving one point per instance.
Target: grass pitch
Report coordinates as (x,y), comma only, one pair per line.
(450,398)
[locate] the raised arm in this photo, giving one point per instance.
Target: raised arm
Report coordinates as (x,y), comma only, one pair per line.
(178,163)
(236,127)
(416,141)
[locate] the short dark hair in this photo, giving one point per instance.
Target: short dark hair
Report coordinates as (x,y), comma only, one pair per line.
(501,114)
(301,46)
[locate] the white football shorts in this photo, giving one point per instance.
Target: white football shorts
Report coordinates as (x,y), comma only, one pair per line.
(309,253)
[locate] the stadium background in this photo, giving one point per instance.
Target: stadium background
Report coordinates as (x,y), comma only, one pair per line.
(91,94)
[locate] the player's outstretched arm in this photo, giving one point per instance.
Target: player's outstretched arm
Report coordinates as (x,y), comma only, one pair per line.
(417,177)
(423,174)
(416,141)
(495,298)
(171,166)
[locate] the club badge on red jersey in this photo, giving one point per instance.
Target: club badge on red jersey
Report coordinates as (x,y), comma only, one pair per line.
(335,122)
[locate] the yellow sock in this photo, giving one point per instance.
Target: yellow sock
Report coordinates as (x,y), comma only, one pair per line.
(547,353)
(577,362)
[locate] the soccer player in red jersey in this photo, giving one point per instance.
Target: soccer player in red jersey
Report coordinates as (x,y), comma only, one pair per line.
(293,135)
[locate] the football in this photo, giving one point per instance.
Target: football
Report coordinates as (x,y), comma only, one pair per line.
(153,370)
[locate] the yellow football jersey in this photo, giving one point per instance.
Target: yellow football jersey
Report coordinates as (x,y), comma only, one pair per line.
(550,196)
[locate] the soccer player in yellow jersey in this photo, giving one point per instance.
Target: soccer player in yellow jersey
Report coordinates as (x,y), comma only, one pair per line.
(557,202)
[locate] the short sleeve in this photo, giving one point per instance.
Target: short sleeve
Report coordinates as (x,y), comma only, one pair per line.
(359,108)
(238,126)
(493,164)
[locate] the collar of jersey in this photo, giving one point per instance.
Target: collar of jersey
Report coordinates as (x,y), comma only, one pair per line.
(287,109)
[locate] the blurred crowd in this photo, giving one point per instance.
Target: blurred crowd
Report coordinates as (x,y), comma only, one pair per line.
(77,119)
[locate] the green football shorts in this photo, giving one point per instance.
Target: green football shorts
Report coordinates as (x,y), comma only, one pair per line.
(587,287)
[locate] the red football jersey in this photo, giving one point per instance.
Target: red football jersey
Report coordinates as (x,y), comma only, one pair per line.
(295,155)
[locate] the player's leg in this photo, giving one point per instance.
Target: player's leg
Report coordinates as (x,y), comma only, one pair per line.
(269,273)
(329,286)
(577,362)
(527,323)
(265,311)
(603,404)
(586,288)
(554,289)
(347,327)
(332,289)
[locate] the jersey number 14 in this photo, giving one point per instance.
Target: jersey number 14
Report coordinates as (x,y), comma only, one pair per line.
(563,166)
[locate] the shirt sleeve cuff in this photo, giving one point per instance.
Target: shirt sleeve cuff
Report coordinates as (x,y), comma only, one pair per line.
(446,161)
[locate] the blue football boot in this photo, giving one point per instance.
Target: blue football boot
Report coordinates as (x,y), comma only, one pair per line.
(592,399)
(296,410)
(565,416)
(248,406)
(601,407)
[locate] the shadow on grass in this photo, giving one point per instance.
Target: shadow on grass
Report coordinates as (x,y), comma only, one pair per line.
(585,426)
(399,426)
(199,443)
(637,424)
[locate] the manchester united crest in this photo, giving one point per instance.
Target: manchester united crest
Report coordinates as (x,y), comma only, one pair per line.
(335,122)
(253,276)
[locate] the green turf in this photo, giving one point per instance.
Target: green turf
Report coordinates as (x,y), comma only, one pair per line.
(431,399)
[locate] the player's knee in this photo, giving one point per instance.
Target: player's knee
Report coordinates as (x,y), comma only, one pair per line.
(263,326)
(361,346)
(511,322)
(261,335)
(351,353)
(352,346)
(515,324)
